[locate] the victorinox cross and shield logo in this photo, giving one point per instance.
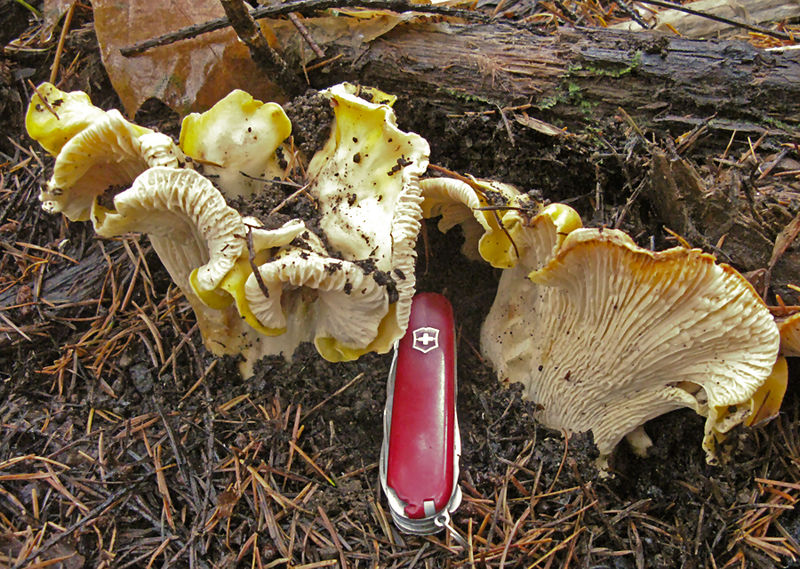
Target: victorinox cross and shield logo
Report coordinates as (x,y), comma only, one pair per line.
(426,339)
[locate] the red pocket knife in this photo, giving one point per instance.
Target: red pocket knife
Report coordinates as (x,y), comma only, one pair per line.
(421,442)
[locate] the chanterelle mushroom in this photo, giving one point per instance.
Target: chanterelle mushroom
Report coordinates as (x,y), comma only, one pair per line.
(352,282)
(236,142)
(98,152)
(487,231)
(190,225)
(789,327)
(605,335)
(344,281)
(766,402)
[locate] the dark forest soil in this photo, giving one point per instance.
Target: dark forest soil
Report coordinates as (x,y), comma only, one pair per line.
(124,443)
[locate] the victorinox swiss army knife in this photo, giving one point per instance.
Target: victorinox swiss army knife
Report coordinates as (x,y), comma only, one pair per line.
(421,442)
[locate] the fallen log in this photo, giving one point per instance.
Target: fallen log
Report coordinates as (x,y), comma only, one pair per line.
(575,74)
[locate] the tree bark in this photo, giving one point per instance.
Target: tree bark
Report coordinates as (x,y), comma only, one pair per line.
(577,74)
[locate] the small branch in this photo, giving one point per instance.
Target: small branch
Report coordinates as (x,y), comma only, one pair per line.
(634,15)
(43,99)
(339,391)
(722,19)
(303,30)
(508,126)
(267,59)
(251,257)
(61,39)
(304,7)
(281,205)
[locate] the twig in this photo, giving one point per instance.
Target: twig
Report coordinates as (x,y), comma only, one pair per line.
(312,464)
(632,13)
(303,30)
(324,62)
(334,394)
(336,542)
(179,461)
(563,460)
(766,171)
(43,99)
(508,126)
(289,198)
(14,327)
(61,39)
(268,60)
(722,19)
(303,7)
(511,535)
(251,256)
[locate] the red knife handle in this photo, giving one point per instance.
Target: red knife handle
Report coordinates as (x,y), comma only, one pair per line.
(422,438)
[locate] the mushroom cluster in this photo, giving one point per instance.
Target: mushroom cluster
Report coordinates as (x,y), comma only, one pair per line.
(344,282)
(605,335)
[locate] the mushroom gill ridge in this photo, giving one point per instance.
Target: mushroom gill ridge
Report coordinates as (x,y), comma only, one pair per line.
(607,335)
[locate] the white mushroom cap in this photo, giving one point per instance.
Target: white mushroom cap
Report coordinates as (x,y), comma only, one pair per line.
(236,141)
(348,289)
(106,156)
(608,335)
(488,212)
(97,151)
(366,179)
(54,116)
(198,239)
(348,304)
(191,227)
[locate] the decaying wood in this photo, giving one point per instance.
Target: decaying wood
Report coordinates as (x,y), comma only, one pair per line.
(576,74)
(72,283)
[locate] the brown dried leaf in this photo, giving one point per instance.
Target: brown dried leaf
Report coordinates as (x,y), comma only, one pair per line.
(191,75)
(693,26)
(188,75)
